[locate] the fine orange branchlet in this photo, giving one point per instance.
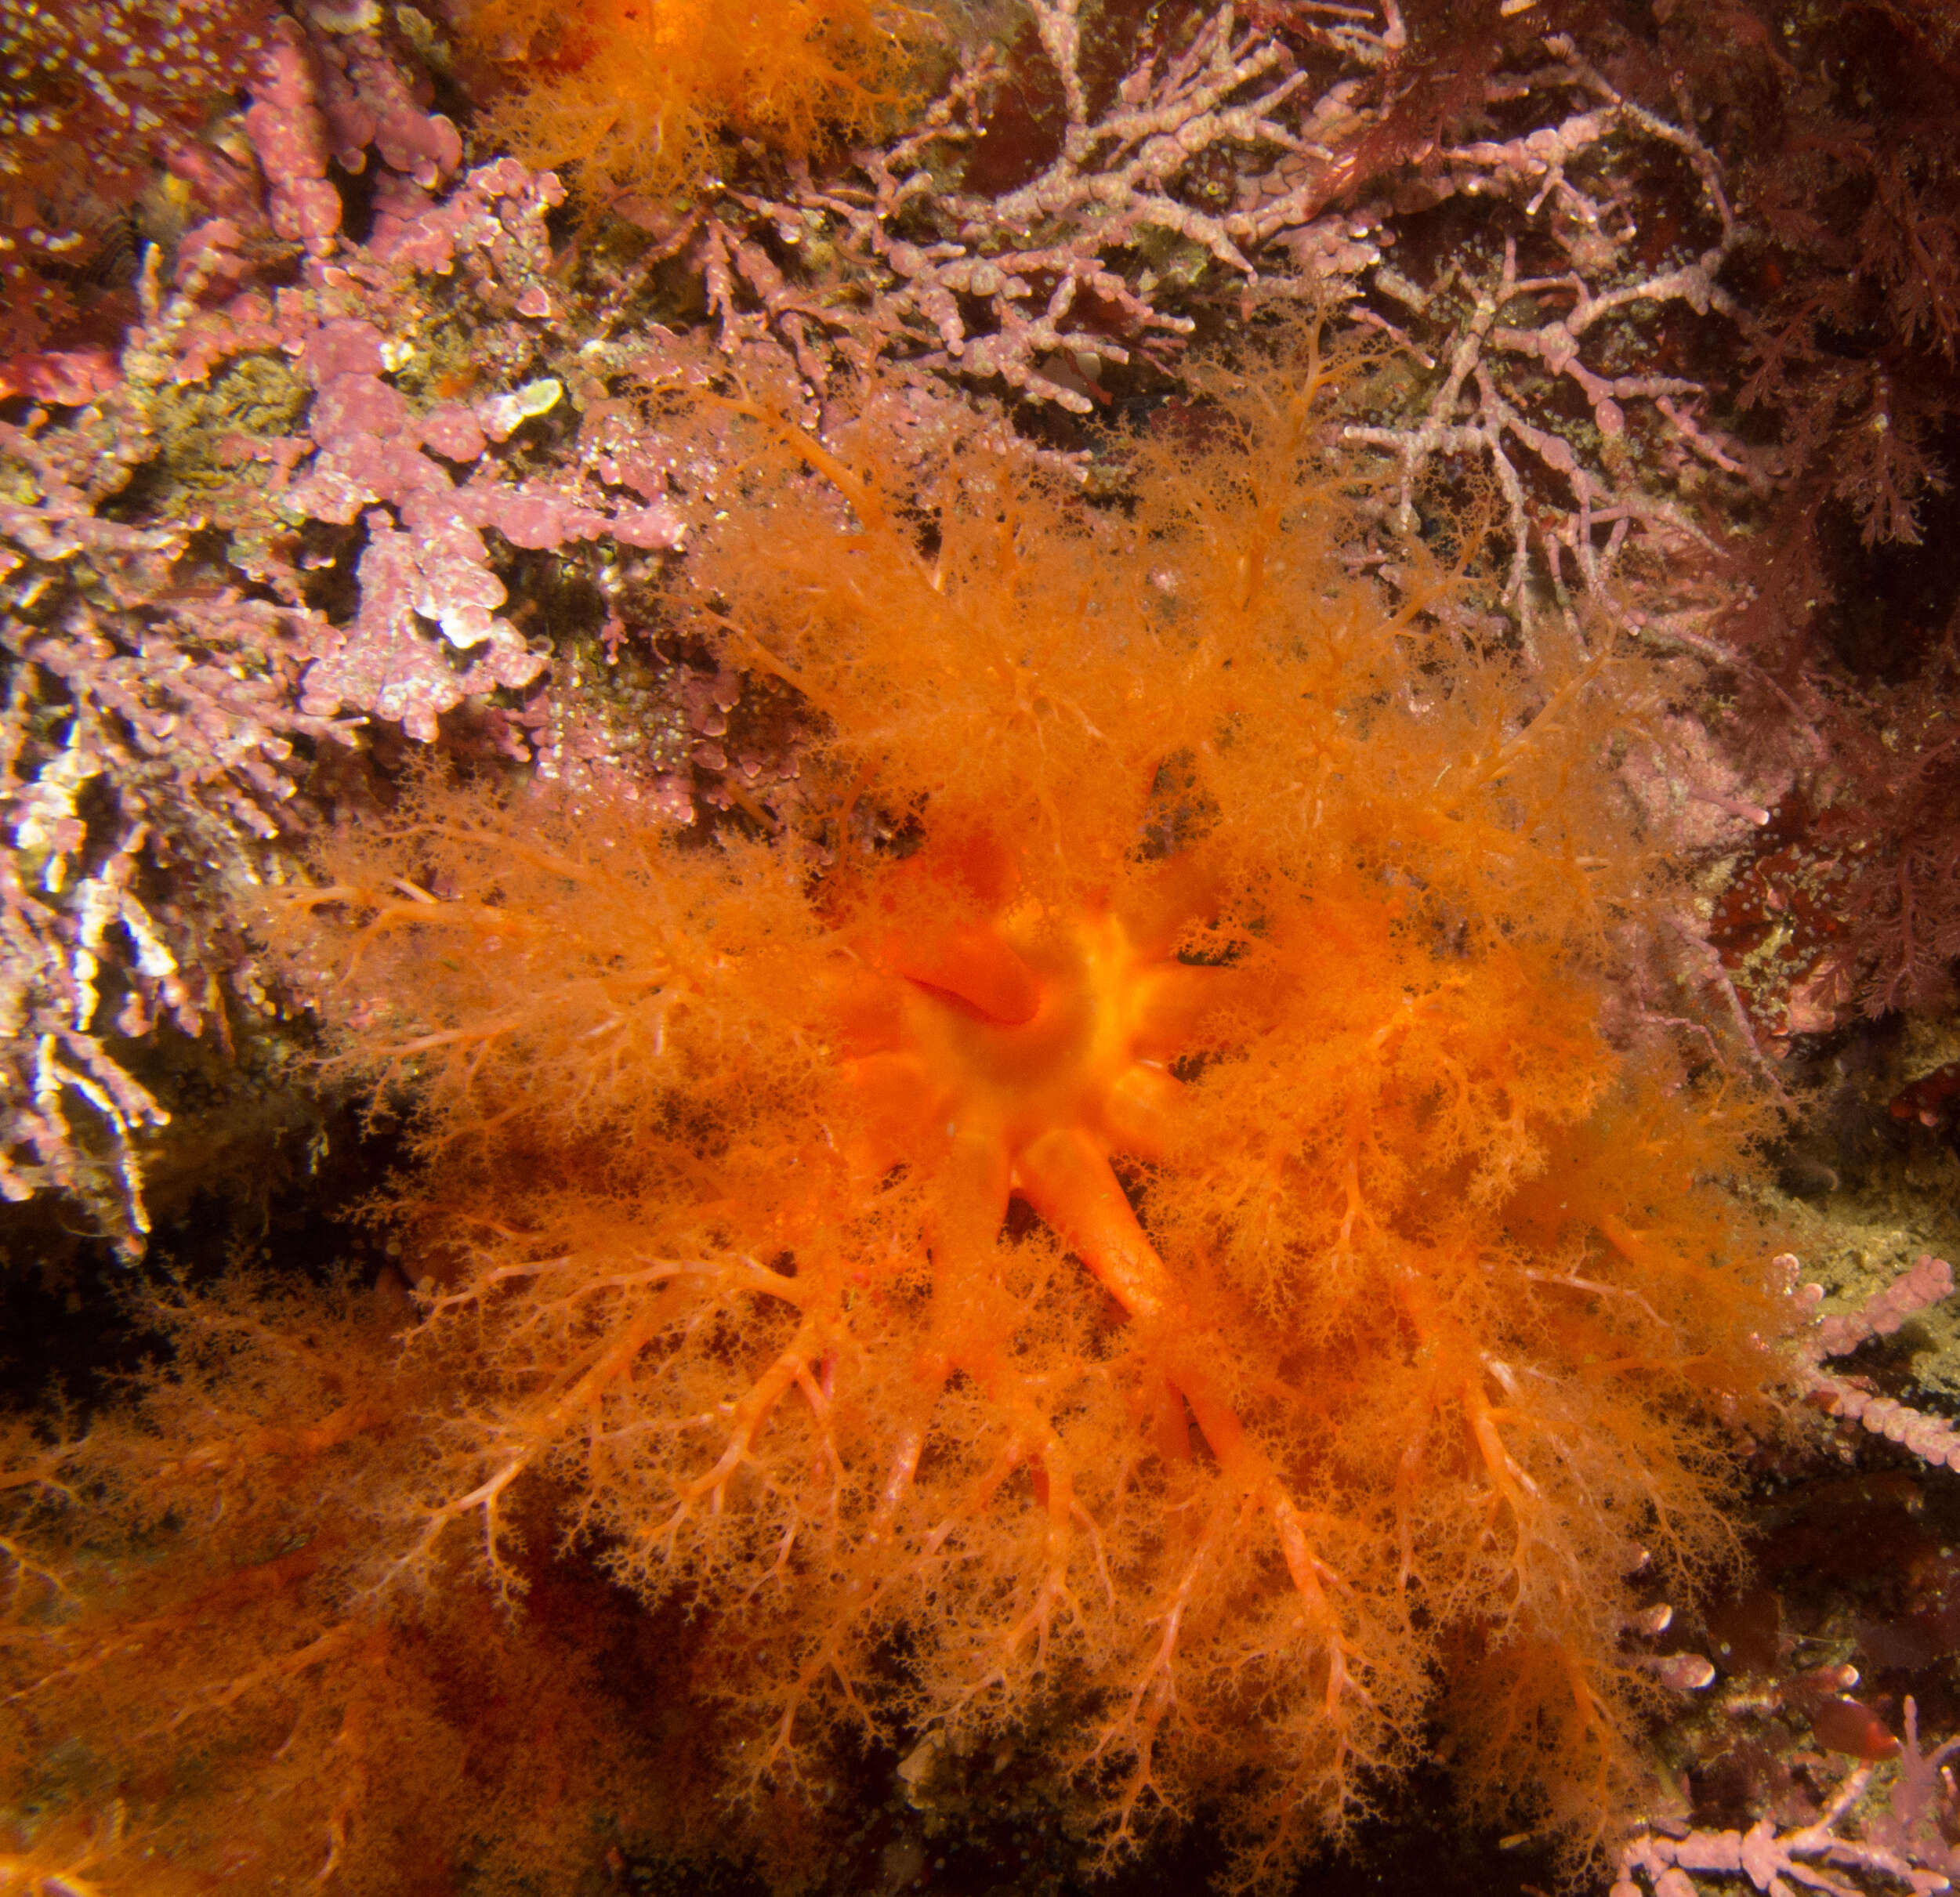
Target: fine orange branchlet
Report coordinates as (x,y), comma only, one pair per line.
(1126,1222)
(212,1674)
(205,1686)
(635,95)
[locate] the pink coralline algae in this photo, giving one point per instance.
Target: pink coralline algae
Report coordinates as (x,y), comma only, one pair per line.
(369,454)
(1289,164)
(289,139)
(148,762)
(1927,1282)
(434,568)
(1853,1845)
(147,729)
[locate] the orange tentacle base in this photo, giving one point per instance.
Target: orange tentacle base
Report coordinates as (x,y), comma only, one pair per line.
(1020,1054)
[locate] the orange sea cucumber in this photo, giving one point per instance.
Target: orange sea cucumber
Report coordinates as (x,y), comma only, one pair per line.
(1247,924)
(1107,1221)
